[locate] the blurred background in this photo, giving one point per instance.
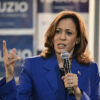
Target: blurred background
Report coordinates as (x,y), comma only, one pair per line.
(23,24)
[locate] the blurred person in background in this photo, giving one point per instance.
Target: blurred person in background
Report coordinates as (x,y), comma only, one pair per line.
(41,77)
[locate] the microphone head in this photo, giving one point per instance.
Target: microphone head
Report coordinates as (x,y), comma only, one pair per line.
(65,55)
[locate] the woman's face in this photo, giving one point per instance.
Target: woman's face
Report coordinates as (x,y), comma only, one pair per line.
(65,36)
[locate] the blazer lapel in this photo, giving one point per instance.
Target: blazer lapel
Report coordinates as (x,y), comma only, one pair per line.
(80,70)
(50,66)
(53,77)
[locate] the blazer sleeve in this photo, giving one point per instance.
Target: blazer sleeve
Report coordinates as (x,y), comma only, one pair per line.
(23,91)
(95,84)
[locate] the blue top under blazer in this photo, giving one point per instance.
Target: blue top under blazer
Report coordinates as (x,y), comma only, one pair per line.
(40,79)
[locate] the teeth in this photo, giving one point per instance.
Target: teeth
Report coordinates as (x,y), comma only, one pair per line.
(61,45)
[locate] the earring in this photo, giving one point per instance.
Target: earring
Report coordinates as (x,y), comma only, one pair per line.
(76,42)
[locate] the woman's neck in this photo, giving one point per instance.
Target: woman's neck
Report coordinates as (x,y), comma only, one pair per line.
(60,61)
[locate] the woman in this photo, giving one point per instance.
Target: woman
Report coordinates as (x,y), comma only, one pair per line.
(41,79)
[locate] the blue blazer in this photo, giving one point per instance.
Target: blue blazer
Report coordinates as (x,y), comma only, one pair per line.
(40,79)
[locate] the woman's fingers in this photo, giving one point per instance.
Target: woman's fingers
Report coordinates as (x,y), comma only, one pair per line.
(11,62)
(70,80)
(5,53)
(13,55)
(10,58)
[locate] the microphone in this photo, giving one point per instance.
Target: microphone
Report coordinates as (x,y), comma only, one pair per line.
(65,56)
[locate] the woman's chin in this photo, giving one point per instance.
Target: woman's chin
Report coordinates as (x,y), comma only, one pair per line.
(63,51)
(60,51)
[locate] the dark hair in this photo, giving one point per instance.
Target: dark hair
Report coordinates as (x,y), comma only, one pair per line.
(81,52)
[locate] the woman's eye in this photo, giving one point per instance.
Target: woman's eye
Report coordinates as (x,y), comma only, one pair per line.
(57,31)
(69,33)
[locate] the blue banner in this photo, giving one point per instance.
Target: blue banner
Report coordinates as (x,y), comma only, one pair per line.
(55,6)
(24,48)
(16,14)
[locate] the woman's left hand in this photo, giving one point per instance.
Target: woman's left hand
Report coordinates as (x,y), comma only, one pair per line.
(71,80)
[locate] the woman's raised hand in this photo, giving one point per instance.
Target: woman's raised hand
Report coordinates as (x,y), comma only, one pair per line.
(9,61)
(71,80)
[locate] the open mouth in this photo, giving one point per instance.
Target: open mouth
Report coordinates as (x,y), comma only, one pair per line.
(61,46)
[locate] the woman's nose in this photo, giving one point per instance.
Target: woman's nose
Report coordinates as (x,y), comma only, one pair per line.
(63,36)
